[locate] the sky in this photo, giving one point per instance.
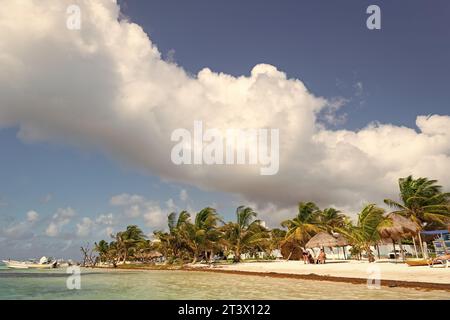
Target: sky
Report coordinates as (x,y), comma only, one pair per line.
(86,115)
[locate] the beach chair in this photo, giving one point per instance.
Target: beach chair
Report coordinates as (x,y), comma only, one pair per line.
(444,260)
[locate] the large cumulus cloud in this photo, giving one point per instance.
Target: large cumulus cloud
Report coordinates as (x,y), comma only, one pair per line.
(107,87)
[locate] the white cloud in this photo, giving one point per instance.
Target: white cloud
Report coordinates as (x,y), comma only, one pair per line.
(52,230)
(20,230)
(139,99)
(62,217)
(32,216)
(171,205)
(105,219)
(125,199)
(108,231)
(133,211)
(155,217)
(359,88)
(85,227)
(136,206)
(184,195)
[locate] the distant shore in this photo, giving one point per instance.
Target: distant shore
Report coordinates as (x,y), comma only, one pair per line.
(355,272)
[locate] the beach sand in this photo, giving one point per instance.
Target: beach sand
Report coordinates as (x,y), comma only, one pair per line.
(391,274)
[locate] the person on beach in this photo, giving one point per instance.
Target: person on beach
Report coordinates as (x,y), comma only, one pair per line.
(305,257)
(321,257)
(310,257)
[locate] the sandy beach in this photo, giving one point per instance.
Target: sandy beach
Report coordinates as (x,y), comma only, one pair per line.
(349,271)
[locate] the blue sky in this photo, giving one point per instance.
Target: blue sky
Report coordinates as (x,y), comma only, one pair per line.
(403,67)
(390,75)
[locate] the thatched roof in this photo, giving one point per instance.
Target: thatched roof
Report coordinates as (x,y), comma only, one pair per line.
(401,227)
(324,239)
(291,249)
(154,254)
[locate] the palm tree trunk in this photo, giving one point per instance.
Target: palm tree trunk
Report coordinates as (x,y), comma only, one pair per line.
(378,251)
(289,256)
(237,255)
(421,246)
(401,249)
(415,247)
(395,253)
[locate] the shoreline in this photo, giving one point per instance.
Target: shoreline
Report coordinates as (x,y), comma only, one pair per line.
(316,277)
(239,269)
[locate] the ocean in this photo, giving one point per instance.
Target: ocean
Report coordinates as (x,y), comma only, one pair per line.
(111,284)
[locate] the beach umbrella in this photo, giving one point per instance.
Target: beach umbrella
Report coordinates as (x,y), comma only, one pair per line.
(399,228)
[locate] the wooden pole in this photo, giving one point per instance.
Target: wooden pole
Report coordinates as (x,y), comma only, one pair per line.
(421,246)
(401,250)
(395,253)
(415,247)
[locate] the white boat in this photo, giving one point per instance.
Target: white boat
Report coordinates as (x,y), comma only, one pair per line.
(43,264)
(15,264)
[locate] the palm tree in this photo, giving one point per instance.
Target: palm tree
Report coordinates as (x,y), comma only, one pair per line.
(102,247)
(178,232)
(301,228)
(127,240)
(244,234)
(366,232)
(120,246)
(330,219)
(276,238)
(422,201)
(203,234)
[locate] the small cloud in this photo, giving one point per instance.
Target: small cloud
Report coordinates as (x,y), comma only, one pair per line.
(85,227)
(62,217)
(109,231)
(105,219)
(170,57)
(184,195)
(360,94)
(155,217)
(52,230)
(171,205)
(32,216)
(133,212)
(330,113)
(359,89)
(125,199)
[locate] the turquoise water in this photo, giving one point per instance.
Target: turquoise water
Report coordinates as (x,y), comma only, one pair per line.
(106,284)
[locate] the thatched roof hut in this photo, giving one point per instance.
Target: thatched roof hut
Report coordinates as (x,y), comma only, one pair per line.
(154,254)
(291,250)
(324,239)
(401,227)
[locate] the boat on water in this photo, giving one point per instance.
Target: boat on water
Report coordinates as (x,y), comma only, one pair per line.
(43,263)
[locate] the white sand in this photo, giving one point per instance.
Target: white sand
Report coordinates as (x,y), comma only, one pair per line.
(348,269)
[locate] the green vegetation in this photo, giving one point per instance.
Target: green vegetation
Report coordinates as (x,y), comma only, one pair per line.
(188,240)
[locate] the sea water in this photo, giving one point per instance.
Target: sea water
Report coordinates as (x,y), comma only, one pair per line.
(120,284)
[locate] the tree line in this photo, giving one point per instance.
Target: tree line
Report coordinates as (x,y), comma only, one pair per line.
(191,239)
